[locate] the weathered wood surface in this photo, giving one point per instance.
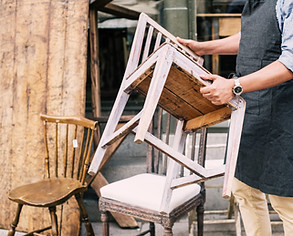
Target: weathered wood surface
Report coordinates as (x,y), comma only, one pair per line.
(42,69)
(95,63)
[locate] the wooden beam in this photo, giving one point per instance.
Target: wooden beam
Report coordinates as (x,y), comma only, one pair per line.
(95,68)
(98,3)
(120,11)
(209,119)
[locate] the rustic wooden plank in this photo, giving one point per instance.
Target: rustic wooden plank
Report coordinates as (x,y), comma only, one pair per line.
(42,70)
(120,11)
(209,119)
(171,102)
(95,63)
(98,3)
(7,79)
(181,96)
(30,46)
(218,15)
(67,51)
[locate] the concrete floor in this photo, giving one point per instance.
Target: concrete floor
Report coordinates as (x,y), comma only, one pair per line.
(180,229)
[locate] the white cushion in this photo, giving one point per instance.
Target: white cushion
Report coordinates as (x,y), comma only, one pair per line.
(214,163)
(146,191)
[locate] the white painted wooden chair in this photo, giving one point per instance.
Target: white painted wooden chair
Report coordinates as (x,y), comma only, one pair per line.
(141,195)
(168,74)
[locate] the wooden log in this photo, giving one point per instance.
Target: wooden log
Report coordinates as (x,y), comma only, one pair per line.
(42,70)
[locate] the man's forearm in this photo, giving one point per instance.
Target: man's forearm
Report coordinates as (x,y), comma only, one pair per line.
(225,46)
(269,76)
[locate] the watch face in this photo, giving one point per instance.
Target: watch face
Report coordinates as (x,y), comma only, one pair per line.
(237,89)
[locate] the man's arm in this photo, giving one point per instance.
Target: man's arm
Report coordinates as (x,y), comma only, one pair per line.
(220,91)
(224,46)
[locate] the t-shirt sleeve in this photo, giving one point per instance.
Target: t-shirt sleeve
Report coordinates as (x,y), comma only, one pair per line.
(286,27)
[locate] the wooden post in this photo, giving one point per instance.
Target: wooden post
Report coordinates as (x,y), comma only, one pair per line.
(42,70)
(95,62)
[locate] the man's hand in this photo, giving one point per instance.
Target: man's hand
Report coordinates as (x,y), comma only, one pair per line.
(220,91)
(193,45)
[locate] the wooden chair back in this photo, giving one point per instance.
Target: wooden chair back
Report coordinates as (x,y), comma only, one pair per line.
(167,128)
(163,128)
(148,38)
(68,146)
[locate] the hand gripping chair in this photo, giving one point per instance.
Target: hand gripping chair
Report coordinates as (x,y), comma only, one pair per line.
(168,75)
(68,151)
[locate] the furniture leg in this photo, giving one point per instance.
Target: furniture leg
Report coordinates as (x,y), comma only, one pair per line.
(84,215)
(168,231)
(178,145)
(161,72)
(237,220)
(152,229)
(15,221)
(113,120)
(200,219)
(105,224)
(234,135)
(191,226)
(54,221)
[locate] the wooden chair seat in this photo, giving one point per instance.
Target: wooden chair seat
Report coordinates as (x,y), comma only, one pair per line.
(147,190)
(46,193)
(180,95)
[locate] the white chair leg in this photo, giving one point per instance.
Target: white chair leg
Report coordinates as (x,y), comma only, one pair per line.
(161,72)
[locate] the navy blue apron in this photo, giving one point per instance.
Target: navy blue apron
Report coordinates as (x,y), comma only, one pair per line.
(265,158)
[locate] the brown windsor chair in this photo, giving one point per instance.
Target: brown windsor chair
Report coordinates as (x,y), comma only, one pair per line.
(68,151)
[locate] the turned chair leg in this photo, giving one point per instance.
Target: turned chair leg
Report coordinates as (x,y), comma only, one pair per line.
(168,231)
(54,221)
(105,224)
(15,221)
(84,216)
(152,229)
(200,219)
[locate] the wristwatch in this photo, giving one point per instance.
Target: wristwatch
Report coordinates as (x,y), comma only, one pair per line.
(237,89)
